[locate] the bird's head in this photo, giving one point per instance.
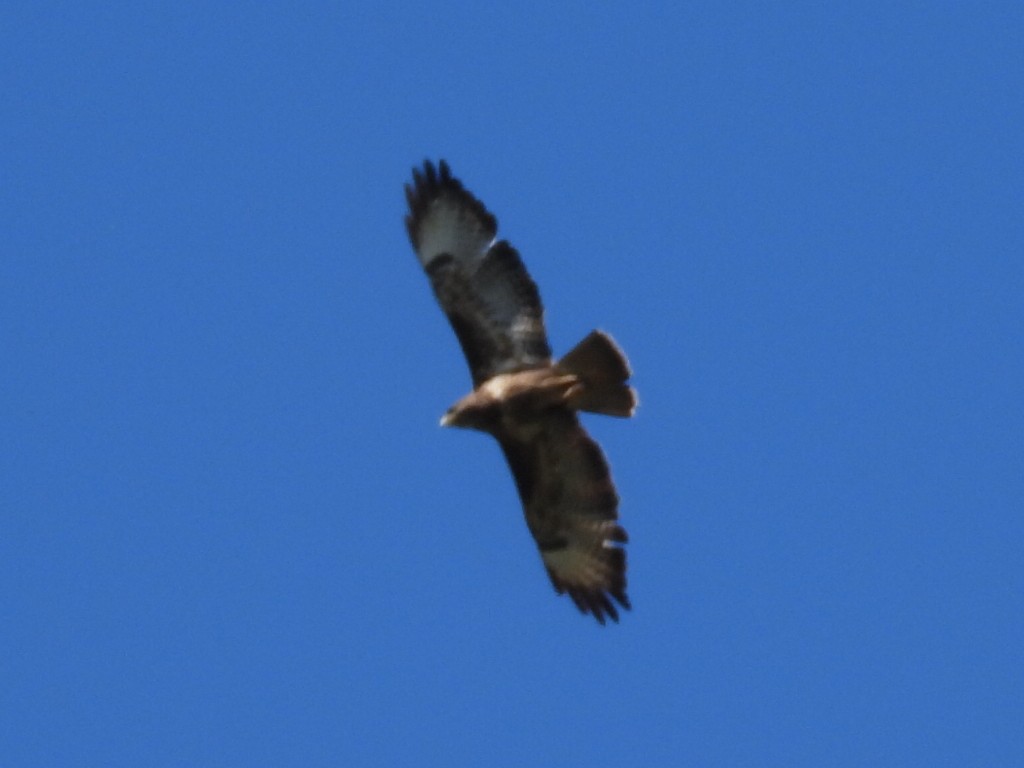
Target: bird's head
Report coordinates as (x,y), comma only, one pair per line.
(451,418)
(474,411)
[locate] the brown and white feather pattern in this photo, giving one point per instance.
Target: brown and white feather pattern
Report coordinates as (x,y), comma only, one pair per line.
(571,509)
(482,286)
(527,402)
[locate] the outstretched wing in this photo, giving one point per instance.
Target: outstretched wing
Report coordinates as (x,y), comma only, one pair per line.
(482,285)
(571,509)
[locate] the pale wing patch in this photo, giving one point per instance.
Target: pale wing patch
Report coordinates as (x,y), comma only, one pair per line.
(482,285)
(444,218)
(572,509)
(449,227)
(583,561)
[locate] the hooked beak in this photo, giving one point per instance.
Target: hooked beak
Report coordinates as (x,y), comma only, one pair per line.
(446,420)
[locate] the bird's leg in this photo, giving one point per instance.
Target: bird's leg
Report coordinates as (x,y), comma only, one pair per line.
(546,392)
(560,390)
(575,390)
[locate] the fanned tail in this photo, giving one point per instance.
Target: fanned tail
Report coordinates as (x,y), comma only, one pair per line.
(602,370)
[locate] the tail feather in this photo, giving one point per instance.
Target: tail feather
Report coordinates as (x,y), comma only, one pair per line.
(602,370)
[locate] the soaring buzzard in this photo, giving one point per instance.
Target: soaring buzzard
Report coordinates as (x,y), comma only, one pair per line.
(524,399)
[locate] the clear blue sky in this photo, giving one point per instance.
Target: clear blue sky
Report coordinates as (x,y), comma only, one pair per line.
(231,530)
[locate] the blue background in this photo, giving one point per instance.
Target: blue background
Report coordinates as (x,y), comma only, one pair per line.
(231,531)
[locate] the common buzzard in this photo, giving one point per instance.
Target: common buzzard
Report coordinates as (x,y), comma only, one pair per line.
(527,401)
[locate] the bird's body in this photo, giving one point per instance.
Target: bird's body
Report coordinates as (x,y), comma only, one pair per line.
(523,398)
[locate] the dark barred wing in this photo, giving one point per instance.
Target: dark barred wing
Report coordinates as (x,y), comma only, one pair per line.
(482,285)
(571,508)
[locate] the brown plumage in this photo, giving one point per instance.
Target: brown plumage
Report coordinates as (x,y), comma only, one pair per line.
(524,399)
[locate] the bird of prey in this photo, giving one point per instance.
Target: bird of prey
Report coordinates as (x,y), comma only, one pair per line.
(522,397)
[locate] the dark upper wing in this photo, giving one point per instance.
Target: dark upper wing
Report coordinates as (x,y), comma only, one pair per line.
(571,509)
(482,285)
